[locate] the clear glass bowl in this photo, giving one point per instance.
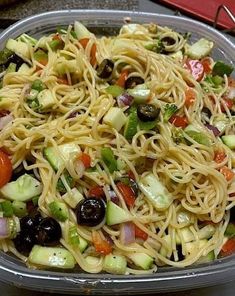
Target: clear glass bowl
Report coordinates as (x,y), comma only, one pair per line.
(13,271)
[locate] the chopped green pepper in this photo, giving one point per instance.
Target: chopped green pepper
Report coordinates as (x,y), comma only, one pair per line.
(220,68)
(114,90)
(109,159)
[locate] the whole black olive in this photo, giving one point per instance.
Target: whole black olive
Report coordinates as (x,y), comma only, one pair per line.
(90,212)
(131,82)
(105,69)
(24,242)
(27,223)
(147,112)
(48,232)
(16,60)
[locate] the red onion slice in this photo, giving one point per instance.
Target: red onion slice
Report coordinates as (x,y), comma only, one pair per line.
(113,196)
(214,129)
(4,230)
(5,120)
(124,100)
(127,233)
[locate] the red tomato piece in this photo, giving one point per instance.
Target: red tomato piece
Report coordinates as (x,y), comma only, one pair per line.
(139,233)
(179,121)
(122,78)
(228,174)
(127,193)
(219,156)
(62,80)
(190,97)
(96,191)
(101,245)
(84,43)
(228,248)
(195,67)
(131,175)
(228,103)
(206,62)
(5,168)
(86,159)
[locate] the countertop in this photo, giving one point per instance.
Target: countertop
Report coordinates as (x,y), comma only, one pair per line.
(141,5)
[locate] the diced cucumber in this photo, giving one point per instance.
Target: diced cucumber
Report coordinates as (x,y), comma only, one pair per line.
(51,257)
(11,68)
(195,247)
(27,39)
(229,140)
(207,258)
(46,100)
(183,217)
(230,230)
(115,264)
(24,188)
(73,197)
(76,239)
(141,260)
(140,95)
(131,125)
(164,251)
(186,234)
(59,210)
(115,118)
(115,214)
(91,260)
(19,208)
(156,193)
(6,208)
(81,31)
(206,232)
(197,135)
(200,49)
(24,69)
(178,56)
(66,66)
(114,90)
(18,47)
(64,154)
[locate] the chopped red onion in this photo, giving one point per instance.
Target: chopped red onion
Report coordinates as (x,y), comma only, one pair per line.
(214,129)
(5,120)
(124,100)
(113,196)
(127,233)
(4,230)
(79,168)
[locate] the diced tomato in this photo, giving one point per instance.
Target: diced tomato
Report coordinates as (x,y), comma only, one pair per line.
(122,78)
(96,191)
(228,174)
(84,43)
(206,62)
(219,156)
(139,233)
(62,80)
(43,62)
(195,67)
(231,81)
(86,159)
(4,112)
(190,97)
(228,248)
(57,37)
(179,121)
(228,103)
(5,168)
(127,193)
(101,245)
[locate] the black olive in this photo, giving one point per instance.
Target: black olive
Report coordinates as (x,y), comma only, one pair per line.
(147,112)
(232,214)
(131,82)
(16,60)
(27,223)
(105,69)
(24,242)
(90,212)
(134,187)
(48,232)
(168,41)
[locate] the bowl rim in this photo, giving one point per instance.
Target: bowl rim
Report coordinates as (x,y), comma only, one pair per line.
(220,271)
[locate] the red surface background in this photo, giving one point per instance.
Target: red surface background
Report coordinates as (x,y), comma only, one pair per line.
(205,10)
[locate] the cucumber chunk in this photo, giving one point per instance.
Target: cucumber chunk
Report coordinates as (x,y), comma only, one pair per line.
(115,118)
(46,100)
(64,154)
(19,208)
(115,214)
(73,197)
(207,258)
(51,257)
(81,31)
(59,210)
(141,260)
(115,264)
(200,49)
(18,47)
(229,140)
(23,189)
(76,239)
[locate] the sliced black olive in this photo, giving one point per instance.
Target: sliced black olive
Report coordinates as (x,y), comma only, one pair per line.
(16,60)
(147,112)
(206,114)
(90,212)
(105,69)
(24,242)
(168,41)
(131,82)
(48,232)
